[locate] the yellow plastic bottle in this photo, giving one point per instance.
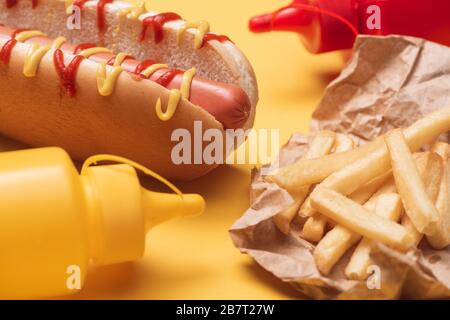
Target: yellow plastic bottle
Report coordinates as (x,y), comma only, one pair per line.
(53,220)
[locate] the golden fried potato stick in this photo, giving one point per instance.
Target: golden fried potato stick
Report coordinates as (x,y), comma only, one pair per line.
(321,145)
(314,227)
(366,191)
(442,149)
(314,171)
(388,206)
(430,168)
(356,218)
(337,241)
(332,247)
(361,195)
(343,143)
(442,238)
(418,206)
(369,164)
(348,171)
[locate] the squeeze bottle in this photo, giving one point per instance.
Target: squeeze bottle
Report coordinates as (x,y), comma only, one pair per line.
(54,221)
(328,25)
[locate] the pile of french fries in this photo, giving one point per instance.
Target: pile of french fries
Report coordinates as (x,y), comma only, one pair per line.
(384,191)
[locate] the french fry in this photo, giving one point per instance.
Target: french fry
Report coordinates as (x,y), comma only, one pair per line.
(418,205)
(442,237)
(430,169)
(306,210)
(323,141)
(388,206)
(314,227)
(352,177)
(337,241)
(413,232)
(321,145)
(366,191)
(283,219)
(343,143)
(442,149)
(314,171)
(356,218)
(348,171)
(361,195)
(332,247)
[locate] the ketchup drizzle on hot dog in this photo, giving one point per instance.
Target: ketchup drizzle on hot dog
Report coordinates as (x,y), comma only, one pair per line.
(5,51)
(167,77)
(82,47)
(80,3)
(143,65)
(111,61)
(101,14)
(10,3)
(157,22)
(100,11)
(212,36)
(67,74)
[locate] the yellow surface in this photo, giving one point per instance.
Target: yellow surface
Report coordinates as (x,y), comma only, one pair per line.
(195,258)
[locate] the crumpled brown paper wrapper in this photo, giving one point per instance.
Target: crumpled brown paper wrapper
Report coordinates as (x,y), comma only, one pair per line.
(390,82)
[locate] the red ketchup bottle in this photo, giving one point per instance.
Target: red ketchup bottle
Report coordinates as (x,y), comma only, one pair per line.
(328,25)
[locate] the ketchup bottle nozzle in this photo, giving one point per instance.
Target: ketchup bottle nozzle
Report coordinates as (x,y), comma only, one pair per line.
(286,19)
(262,23)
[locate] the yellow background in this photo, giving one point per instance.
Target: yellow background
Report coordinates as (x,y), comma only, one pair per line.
(195,258)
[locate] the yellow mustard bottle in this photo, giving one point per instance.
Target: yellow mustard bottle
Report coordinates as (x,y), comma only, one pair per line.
(54,221)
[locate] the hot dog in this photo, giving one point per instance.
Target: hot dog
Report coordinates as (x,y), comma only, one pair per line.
(87,99)
(131,26)
(227,103)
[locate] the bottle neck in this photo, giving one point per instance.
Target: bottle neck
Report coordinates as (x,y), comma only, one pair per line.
(162,207)
(323,25)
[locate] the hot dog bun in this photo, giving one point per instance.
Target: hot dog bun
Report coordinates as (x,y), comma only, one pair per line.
(215,60)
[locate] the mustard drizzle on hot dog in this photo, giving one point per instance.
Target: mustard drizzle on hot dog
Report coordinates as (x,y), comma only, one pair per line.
(153,68)
(134,11)
(175,96)
(35,53)
(58,42)
(139,7)
(202,29)
(105,82)
(187,82)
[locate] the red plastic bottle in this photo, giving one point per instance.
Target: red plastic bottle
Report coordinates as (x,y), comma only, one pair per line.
(328,25)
